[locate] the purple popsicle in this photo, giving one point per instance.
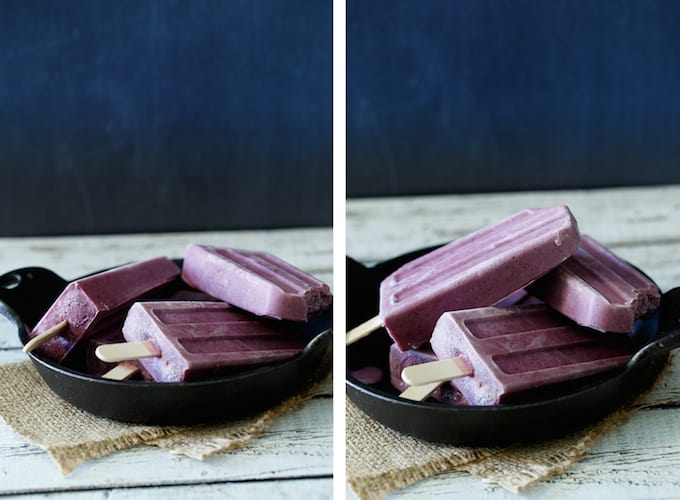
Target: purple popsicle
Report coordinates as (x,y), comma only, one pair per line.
(110,335)
(257,282)
(477,270)
(95,302)
(446,393)
(199,339)
(189,295)
(519,297)
(597,289)
(518,349)
(368,374)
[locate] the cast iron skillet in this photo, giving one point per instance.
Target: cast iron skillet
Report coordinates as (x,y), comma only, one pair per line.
(561,410)
(25,294)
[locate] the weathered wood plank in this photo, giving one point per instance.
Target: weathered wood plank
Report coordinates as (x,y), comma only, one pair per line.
(276,465)
(380,228)
(317,488)
(633,461)
(641,458)
(8,335)
(73,256)
(297,446)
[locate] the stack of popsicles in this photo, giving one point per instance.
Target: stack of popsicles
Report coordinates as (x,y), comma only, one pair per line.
(130,319)
(517,306)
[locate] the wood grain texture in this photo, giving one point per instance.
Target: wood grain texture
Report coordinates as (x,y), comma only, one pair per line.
(295,447)
(641,458)
(376,228)
(313,489)
(294,457)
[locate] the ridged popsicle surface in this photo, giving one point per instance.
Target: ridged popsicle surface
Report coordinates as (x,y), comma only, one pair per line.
(95,302)
(522,348)
(198,339)
(446,393)
(257,282)
(599,290)
(477,270)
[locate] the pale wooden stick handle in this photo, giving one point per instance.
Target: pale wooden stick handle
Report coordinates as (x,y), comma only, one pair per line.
(122,371)
(419,392)
(126,351)
(43,337)
(435,371)
(363,330)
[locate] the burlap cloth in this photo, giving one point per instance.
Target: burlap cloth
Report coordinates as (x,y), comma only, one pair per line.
(71,436)
(380,459)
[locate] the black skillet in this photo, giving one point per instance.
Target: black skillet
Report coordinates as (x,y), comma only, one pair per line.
(560,410)
(25,294)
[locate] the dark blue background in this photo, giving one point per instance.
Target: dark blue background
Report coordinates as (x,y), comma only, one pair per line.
(486,95)
(164,115)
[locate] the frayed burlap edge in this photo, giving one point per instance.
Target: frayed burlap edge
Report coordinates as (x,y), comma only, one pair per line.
(375,487)
(513,468)
(205,441)
(517,467)
(71,436)
(380,459)
(70,457)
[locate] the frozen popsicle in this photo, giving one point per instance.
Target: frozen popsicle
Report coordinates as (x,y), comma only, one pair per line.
(95,302)
(477,270)
(518,297)
(179,341)
(443,392)
(110,335)
(257,282)
(189,295)
(511,351)
(367,374)
(115,371)
(597,289)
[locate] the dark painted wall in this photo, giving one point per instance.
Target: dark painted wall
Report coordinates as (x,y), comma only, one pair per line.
(486,95)
(164,115)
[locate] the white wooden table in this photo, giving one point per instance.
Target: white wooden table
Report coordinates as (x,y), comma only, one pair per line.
(641,459)
(293,459)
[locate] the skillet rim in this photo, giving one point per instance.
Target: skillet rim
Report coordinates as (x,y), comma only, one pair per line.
(318,338)
(651,355)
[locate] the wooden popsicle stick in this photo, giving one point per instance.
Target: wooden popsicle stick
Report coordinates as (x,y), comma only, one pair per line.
(419,392)
(43,337)
(363,330)
(436,371)
(126,351)
(121,371)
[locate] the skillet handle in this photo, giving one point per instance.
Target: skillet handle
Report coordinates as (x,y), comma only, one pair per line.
(668,337)
(26,293)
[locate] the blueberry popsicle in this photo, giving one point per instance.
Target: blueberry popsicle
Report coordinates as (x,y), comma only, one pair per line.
(178,341)
(477,270)
(95,302)
(114,371)
(443,392)
(257,282)
(508,352)
(110,335)
(367,374)
(597,289)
